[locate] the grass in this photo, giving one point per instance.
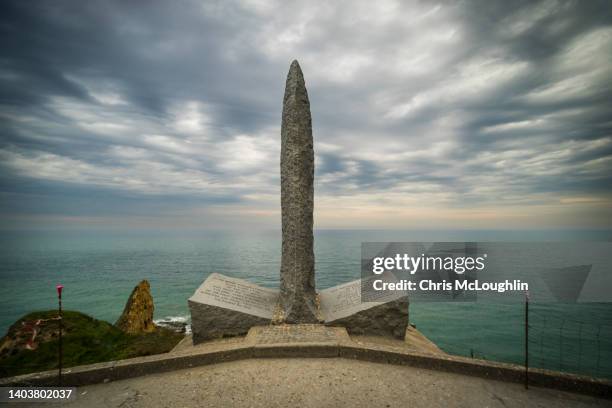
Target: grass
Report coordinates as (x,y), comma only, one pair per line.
(86,340)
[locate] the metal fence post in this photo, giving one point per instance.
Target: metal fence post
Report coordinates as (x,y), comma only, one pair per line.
(526,340)
(59,297)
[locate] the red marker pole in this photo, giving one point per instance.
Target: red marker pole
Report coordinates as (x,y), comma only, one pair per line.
(59,297)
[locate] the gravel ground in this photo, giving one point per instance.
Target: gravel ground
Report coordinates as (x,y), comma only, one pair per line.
(318,383)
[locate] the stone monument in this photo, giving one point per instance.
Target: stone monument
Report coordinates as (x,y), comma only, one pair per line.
(223,306)
(297,302)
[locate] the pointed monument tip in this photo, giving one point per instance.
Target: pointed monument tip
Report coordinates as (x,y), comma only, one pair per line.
(295,81)
(295,66)
(295,77)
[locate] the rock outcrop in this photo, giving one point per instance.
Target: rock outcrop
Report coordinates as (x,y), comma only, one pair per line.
(137,316)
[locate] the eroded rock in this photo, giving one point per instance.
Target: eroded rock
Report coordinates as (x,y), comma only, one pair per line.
(137,316)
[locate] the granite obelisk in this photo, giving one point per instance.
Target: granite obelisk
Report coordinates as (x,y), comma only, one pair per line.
(224,306)
(298,302)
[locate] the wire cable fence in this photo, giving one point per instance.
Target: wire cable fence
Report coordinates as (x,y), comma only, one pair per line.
(568,344)
(573,338)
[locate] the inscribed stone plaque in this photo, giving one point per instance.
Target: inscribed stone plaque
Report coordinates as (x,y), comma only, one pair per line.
(224,306)
(236,294)
(382,313)
(346,299)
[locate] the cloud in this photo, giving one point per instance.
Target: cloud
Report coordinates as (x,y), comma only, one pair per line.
(471,114)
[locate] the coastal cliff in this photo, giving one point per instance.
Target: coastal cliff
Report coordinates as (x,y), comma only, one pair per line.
(31,343)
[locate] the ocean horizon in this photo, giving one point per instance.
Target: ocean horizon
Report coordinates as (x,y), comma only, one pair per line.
(100,268)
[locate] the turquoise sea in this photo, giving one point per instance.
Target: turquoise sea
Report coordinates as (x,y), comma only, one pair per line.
(99,270)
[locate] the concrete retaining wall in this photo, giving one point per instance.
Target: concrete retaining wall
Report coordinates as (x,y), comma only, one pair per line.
(117,370)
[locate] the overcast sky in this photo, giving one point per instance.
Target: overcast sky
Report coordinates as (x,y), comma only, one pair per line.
(451,115)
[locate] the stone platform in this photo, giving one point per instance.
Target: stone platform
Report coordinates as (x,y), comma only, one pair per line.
(316,383)
(312,342)
(311,335)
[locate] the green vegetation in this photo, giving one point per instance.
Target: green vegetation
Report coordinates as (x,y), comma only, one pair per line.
(86,340)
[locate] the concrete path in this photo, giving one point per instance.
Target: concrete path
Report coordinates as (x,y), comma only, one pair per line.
(313,382)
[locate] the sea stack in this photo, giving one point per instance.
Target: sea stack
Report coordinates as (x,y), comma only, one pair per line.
(137,316)
(298,301)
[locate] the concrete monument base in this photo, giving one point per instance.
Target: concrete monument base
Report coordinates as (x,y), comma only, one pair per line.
(226,307)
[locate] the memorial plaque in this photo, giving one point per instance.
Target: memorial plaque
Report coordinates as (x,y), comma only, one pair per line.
(382,313)
(236,294)
(224,306)
(346,299)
